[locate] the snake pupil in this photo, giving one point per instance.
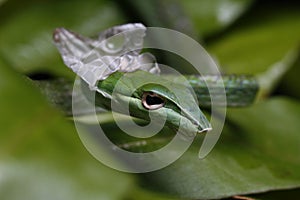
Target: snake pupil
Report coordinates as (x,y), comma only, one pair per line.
(152,101)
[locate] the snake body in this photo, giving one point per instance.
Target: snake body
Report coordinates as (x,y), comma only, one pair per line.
(240,90)
(105,62)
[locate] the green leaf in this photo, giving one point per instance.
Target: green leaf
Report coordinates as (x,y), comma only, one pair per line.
(142,193)
(256,153)
(212,16)
(260,40)
(41,156)
(159,13)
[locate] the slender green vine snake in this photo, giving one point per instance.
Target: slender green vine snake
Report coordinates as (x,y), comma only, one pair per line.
(102,63)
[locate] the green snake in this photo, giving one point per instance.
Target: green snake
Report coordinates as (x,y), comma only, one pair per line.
(102,63)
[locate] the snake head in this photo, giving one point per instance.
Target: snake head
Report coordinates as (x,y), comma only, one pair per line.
(153,98)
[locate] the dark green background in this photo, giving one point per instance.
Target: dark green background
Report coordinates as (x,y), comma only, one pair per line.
(41,156)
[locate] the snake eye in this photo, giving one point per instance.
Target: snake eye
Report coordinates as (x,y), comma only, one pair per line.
(152,101)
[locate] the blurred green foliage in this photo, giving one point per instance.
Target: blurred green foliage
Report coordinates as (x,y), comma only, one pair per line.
(41,156)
